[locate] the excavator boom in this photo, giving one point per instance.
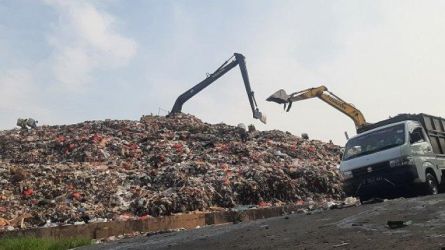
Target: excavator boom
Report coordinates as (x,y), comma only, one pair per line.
(281,97)
(223,69)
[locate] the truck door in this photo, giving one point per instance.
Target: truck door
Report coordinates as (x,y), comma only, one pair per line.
(422,152)
(419,144)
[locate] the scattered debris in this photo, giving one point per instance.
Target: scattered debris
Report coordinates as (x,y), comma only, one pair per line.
(341,245)
(165,231)
(394,224)
(3,222)
(347,202)
(436,236)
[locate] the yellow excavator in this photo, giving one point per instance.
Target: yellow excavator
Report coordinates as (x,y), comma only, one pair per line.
(321,92)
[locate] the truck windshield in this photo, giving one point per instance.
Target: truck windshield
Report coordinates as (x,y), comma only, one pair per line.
(375,141)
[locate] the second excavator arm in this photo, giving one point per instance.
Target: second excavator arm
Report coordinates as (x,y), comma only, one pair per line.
(321,92)
(226,67)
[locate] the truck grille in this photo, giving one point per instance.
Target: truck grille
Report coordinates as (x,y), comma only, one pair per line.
(381,166)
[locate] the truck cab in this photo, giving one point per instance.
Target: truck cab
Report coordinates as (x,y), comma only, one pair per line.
(396,154)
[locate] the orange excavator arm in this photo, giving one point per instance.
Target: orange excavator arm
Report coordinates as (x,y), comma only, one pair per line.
(321,92)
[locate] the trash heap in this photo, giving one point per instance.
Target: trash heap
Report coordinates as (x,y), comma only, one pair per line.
(114,169)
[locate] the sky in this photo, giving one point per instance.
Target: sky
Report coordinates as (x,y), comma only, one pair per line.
(64,62)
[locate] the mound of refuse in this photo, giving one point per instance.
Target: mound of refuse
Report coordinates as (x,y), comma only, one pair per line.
(115,169)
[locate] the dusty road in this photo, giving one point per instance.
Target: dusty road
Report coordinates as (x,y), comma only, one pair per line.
(363,227)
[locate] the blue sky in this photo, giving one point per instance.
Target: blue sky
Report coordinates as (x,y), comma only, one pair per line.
(70,61)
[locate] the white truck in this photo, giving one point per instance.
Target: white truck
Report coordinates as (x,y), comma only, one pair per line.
(405,151)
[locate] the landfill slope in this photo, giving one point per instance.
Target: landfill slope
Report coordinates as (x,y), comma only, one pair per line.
(119,170)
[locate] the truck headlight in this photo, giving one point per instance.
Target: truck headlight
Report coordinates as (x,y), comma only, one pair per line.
(402,161)
(347,175)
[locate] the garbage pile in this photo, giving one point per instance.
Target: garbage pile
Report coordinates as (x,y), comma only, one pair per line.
(118,170)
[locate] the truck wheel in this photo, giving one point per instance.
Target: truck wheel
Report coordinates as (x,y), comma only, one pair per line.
(431,186)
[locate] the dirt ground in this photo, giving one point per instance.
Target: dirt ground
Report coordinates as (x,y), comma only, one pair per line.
(363,227)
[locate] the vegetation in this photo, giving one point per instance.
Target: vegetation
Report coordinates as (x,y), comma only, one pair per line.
(28,243)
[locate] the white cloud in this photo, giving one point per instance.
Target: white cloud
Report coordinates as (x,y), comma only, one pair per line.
(16,90)
(386,62)
(19,97)
(85,39)
(384,57)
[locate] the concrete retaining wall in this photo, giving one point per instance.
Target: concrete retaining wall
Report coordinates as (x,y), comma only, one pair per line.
(187,221)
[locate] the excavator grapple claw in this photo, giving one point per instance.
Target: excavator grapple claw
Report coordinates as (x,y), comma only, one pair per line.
(258,115)
(280,97)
